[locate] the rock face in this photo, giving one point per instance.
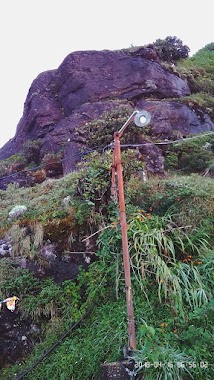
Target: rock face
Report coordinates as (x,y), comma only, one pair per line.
(87,84)
(59,103)
(16,337)
(17,334)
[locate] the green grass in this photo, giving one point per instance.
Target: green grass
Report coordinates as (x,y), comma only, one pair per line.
(169,220)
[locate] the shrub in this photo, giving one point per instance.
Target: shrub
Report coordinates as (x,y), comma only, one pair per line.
(199,70)
(171,49)
(31,150)
(192,156)
(53,164)
(12,164)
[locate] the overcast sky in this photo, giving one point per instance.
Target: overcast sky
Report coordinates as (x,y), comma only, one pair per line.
(36,35)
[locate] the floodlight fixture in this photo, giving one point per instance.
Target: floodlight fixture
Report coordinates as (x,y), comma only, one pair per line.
(142,118)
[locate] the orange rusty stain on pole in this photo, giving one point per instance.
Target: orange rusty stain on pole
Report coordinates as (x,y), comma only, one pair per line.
(141,119)
(118,167)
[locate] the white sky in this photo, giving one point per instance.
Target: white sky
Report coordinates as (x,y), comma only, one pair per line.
(36,35)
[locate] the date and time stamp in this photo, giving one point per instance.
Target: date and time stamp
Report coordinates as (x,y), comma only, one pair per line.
(187,365)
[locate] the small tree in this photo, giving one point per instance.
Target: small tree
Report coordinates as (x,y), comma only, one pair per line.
(171,49)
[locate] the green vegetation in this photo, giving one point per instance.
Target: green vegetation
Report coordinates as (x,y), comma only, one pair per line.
(170,232)
(171,245)
(199,71)
(171,49)
(191,156)
(12,164)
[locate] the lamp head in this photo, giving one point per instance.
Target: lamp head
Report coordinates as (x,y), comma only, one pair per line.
(142,118)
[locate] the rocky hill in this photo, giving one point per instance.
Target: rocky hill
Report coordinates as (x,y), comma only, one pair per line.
(61,102)
(61,250)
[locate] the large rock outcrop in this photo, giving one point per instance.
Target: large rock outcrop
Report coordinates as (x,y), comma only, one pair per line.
(89,83)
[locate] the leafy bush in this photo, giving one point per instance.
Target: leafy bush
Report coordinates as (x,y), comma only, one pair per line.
(209,47)
(100,132)
(31,150)
(192,156)
(199,70)
(12,164)
(156,359)
(171,49)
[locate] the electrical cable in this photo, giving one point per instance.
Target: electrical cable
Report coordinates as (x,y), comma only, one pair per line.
(166,142)
(81,154)
(104,148)
(97,148)
(19,377)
